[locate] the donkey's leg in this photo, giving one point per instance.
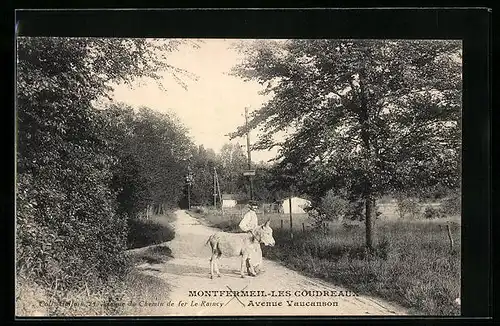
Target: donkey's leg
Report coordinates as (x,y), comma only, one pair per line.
(216,263)
(251,270)
(257,262)
(250,261)
(248,266)
(212,262)
(217,259)
(243,260)
(211,267)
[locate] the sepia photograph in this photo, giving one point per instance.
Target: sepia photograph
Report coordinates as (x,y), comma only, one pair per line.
(238,177)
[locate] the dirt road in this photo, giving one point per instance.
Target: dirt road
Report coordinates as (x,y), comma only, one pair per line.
(188,276)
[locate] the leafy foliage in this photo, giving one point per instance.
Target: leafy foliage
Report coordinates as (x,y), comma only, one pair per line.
(230,164)
(334,206)
(233,161)
(202,164)
(69,225)
(408,206)
(263,184)
(432,212)
(452,205)
(366,116)
(151,149)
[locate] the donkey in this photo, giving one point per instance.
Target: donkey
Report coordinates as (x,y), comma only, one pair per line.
(245,245)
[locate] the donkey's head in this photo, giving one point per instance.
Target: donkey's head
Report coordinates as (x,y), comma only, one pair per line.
(264,233)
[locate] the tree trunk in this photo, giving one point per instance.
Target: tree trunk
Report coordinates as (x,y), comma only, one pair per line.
(369,210)
(364,121)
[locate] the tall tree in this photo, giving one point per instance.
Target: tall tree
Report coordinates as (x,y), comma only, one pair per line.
(67,226)
(133,195)
(369,116)
(262,184)
(202,163)
(151,148)
(161,145)
(234,162)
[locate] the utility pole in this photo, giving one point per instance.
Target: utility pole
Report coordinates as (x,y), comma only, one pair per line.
(218,190)
(189,181)
(291,190)
(249,154)
(215,188)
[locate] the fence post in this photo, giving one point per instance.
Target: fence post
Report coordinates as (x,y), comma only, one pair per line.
(449,236)
(281,224)
(291,222)
(303,228)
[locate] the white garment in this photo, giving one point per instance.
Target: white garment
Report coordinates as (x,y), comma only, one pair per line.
(256,256)
(249,221)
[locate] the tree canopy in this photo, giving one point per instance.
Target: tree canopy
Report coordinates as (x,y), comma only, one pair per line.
(68,227)
(369,116)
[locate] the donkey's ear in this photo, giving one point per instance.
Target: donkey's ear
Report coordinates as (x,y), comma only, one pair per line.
(267,222)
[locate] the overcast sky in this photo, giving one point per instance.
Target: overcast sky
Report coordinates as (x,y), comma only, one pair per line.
(213,105)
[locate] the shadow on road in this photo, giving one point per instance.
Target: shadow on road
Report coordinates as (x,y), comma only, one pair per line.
(189,270)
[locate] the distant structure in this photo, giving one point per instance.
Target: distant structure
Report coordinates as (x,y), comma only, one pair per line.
(298,205)
(229,200)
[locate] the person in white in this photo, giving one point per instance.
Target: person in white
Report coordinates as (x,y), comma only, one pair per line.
(249,220)
(248,223)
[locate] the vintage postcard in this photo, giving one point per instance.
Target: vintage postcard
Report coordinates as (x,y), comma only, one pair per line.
(238,177)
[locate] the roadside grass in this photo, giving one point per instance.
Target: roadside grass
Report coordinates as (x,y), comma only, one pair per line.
(152,231)
(142,290)
(411,264)
(117,298)
(125,295)
(155,254)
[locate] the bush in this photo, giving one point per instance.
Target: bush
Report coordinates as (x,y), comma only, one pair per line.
(336,207)
(333,206)
(356,210)
(431,213)
(67,230)
(147,232)
(408,206)
(330,207)
(452,205)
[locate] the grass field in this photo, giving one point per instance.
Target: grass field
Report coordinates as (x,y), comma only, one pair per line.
(412,263)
